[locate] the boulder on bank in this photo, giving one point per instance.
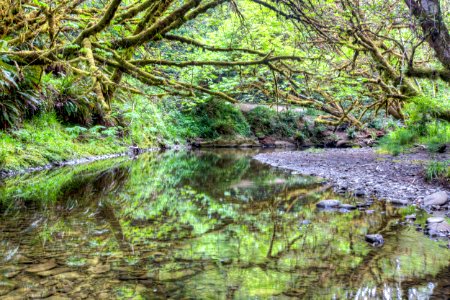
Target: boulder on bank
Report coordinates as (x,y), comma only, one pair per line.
(438,198)
(328,203)
(376,240)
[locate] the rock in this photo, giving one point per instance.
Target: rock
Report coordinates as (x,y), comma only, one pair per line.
(442,227)
(435,220)
(359,193)
(99,269)
(399,202)
(42,267)
(67,275)
(410,217)
(54,271)
(344,144)
(57,297)
(328,203)
(438,198)
(284,144)
(375,239)
(347,206)
(6,287)
(267,142)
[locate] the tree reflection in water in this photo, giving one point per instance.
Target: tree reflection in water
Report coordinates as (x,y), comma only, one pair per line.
(203,225)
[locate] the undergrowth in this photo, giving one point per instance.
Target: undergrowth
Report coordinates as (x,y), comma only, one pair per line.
(421,127)
(265,121)
(44,140)
(438,170)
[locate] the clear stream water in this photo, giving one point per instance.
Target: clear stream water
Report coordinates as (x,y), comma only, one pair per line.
(204,225)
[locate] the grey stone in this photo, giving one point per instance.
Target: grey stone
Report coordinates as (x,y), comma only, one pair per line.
(435,220)
(375,239)
(347,206)
(359,193)
(328,203)
(438,198)
(399,202)
(410,217)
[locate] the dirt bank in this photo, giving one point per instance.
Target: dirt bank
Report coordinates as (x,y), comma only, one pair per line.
(364,172)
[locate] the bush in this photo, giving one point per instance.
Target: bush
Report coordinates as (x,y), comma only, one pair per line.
(19,98)
(210,119)
(66,98)
(420,127)
(265,121)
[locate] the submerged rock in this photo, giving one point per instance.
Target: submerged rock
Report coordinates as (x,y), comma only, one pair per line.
(328,203)
(347,206)
(42,267)
(376,240)
(363,204)
(438,198)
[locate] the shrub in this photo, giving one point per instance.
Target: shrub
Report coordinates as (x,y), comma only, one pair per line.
(209,119)
(420,127)
(265,121)
(66,99)
(19,98)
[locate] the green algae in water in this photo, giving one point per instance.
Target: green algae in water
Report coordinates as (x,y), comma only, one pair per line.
(203,225)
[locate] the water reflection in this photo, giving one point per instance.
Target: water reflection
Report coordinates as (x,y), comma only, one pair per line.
(203,225)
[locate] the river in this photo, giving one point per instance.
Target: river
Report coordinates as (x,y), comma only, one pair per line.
(204,225)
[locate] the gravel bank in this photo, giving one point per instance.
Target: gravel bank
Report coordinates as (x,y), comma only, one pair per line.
(363,172)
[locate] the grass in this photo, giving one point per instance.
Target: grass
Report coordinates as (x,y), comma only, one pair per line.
(421,127)
(44,140)
(438,170)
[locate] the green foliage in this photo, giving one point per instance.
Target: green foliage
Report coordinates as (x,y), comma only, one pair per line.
(439,170)
(44,140)
(18,93)
(142,121)
(420,127)
(351,132)
(209,119)
(67,96)
(265,121)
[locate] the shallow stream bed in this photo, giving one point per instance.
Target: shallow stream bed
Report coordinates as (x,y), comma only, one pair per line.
(204,225)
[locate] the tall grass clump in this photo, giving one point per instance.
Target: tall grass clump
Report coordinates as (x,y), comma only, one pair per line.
(422,126)
(438,170)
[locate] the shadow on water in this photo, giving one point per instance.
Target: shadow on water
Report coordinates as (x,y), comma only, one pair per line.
(203,225)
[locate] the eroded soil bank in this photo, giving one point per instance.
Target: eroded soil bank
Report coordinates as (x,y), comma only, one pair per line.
(365,173)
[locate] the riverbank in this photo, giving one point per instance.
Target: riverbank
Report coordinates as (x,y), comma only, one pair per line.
(365,173)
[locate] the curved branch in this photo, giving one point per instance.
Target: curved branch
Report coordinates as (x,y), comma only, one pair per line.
(102,24)
(181,64)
